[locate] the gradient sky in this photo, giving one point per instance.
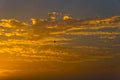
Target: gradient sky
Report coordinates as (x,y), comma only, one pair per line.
(25,9)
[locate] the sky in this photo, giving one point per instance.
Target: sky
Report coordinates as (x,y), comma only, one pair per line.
(63,52)
(25,9)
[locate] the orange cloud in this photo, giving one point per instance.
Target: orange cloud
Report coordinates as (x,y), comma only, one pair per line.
(37,21)
(12,23)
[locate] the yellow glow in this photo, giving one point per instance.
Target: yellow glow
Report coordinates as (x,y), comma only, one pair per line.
(34,21)
(67,17)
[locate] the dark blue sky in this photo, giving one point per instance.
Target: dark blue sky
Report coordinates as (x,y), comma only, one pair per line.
(25,9)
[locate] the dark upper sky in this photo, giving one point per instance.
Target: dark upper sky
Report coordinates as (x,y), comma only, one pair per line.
(25,9)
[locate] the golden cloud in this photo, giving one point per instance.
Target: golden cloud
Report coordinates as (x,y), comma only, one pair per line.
(12,23)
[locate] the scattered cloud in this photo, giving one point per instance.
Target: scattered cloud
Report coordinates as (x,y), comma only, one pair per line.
(12,23)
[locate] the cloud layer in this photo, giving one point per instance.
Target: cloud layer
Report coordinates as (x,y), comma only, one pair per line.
(34,51)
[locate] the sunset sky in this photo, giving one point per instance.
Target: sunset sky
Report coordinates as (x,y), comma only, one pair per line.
(65,49)
(25,9)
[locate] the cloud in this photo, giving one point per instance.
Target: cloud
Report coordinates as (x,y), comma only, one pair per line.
(52,56)
(12,23)
(94,33)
